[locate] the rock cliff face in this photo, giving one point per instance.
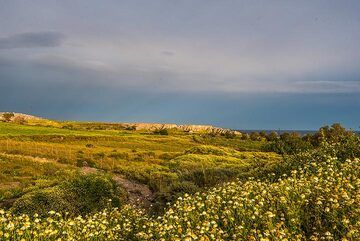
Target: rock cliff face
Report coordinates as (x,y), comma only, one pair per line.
(186,128)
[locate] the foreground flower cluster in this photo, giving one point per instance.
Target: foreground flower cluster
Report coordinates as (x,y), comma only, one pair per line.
(320,201)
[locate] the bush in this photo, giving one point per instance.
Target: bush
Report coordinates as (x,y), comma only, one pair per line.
(64,160)
(272,136)
(245,136)
(82,194)
(7,116)
(229,134)
(333,134)
(68,127)
(288,143)
(255,136)
(120,155)
(93,192)
(163,132)
(41,201)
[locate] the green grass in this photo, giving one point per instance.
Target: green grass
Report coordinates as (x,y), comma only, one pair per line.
(217,187)
(19,174)
(10,129)
(162,162)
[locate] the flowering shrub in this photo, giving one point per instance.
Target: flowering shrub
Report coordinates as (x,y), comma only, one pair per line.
(319,201)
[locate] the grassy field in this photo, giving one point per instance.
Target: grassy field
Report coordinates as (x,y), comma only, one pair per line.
(41,154)
(97,181)
(317,198)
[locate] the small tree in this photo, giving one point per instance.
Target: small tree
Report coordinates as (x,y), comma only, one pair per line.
(332,134)
(8,116)
(255,136)
(245,136)
(272,136)
(229,134)
(262,134)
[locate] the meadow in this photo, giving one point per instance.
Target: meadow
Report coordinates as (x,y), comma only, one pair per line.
(95,181)
(41,154)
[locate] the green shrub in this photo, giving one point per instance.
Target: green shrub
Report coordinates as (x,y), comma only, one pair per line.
(82,194)
(41,201)
(64,160)
(93,192)
(288,143)
(120,155)
(163,132)
(89,145)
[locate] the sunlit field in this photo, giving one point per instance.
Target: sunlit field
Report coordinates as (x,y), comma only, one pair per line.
(79,183)
(179,120)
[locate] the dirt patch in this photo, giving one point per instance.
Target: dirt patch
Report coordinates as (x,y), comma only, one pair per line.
(6,204)
(139,194)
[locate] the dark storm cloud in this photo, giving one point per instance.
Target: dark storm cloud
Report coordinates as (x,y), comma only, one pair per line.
(240,64)
(32,40)
(225,46)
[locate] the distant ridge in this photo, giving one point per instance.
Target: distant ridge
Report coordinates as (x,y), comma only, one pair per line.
(141,126)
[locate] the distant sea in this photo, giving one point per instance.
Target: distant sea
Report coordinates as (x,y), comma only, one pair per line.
(301,132)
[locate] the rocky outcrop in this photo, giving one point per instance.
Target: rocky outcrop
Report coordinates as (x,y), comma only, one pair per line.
(185,128)
(19,115)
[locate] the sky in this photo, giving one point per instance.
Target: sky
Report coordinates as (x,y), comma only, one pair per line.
(240,64)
